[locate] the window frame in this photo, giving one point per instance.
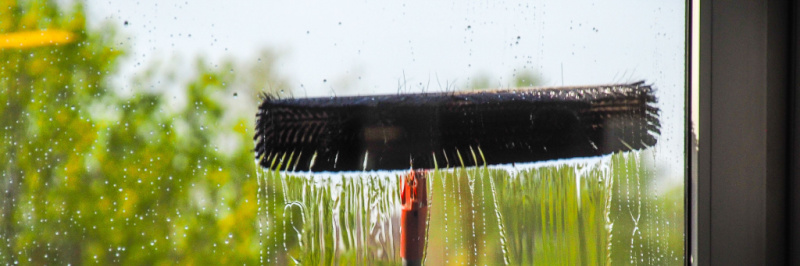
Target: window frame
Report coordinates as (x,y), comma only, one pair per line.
(743,170)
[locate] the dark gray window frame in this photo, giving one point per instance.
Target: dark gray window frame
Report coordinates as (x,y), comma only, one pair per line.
(743,186)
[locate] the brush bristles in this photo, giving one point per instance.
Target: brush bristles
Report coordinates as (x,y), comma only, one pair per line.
(386,132)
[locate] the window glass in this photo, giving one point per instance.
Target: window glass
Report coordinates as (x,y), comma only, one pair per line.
(129,132)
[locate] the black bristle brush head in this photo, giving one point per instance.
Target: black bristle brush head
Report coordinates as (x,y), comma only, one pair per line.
(423,131)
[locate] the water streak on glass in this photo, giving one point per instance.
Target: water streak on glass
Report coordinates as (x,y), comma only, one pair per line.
(573,212)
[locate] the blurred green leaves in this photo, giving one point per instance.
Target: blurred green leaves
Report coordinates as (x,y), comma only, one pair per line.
(92,176)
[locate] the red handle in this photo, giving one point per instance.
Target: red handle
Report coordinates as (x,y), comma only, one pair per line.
(414,197)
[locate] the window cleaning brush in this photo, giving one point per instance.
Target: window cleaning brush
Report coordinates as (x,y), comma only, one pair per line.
(425,130)
(389,132)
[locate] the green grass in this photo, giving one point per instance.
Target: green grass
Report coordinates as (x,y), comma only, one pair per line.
(561,214)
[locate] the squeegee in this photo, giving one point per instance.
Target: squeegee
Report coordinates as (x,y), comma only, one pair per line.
(425,130)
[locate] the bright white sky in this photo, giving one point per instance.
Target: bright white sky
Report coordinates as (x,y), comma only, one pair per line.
(367,47)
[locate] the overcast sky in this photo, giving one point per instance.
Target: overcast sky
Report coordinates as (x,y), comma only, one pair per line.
(367,47)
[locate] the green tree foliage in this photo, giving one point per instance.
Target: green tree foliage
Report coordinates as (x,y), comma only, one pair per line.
(89,175)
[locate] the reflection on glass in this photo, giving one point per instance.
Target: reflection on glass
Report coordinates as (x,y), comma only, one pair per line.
(127,133)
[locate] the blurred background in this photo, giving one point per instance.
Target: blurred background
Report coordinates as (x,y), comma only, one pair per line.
(126,128)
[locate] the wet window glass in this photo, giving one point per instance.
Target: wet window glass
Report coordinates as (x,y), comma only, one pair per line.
(351,132)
